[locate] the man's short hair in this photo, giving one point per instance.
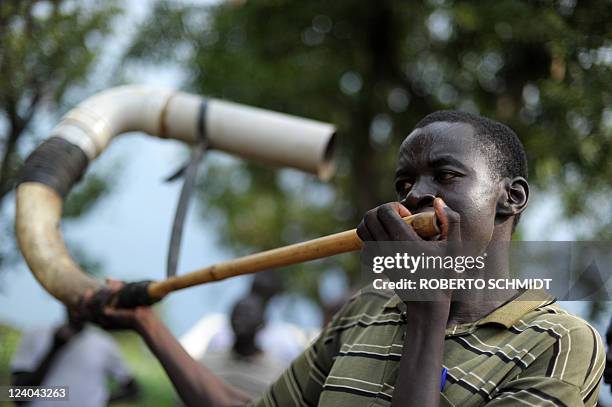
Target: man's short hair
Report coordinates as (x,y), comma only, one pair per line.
(500,144)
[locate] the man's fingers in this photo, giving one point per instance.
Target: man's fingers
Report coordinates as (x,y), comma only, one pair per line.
(439,205)
(398,208)
(389,216)
(83,303)
(114,285)
(449,221)
(402,211)
(374,226)
(87,295)
(363,232)
(385,223)
(112,312)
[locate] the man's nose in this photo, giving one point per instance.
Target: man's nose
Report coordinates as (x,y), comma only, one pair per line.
(420,196)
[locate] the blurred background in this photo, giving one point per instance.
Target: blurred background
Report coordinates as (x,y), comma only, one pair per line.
(372,68)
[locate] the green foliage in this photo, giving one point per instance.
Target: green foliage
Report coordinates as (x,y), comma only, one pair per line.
(156,388)
(9,338)
(79,202)
(85,195)
(47,49)
(375,69)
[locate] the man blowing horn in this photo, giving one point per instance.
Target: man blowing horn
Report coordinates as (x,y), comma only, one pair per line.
(379,350)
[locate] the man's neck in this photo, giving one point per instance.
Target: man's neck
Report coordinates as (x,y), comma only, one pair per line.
(466,312)
(482,302)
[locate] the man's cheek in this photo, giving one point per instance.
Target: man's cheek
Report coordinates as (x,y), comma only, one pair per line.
(477,224)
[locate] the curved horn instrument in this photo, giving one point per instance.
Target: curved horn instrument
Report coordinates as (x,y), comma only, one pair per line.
(85,131)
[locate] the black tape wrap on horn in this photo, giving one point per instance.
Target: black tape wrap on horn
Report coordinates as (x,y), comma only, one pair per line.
(56,163)
(134,295)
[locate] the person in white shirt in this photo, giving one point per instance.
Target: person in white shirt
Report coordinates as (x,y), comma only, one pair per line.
(245,365)
(75,355)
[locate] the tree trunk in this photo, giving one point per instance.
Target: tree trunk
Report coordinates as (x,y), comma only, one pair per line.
(6,180)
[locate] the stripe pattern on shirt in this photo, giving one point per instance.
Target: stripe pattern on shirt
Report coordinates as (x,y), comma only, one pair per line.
(543,357)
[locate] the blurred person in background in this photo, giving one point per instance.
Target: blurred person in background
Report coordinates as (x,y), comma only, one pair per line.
(267,285)
(245,365)
(75,355)
(214,333)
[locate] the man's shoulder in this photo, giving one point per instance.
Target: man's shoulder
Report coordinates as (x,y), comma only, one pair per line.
(574,351)
(554,317)
(571,337)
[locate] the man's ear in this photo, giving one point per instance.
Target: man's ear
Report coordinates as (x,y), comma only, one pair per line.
(513,197)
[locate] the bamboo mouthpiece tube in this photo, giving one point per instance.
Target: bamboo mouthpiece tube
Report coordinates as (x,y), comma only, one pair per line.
(425,224)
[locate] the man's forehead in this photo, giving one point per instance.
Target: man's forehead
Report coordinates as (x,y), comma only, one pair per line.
(440,130)
(437,139)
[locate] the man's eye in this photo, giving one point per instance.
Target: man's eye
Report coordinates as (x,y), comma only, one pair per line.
(445,176)
(403,186)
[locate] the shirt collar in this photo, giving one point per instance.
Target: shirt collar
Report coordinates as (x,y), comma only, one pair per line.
(507,315)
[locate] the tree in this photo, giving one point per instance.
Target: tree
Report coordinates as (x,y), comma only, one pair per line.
(47,49)
(375,69)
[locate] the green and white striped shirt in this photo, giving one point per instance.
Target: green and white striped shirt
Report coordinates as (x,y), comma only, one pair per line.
(529,353)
